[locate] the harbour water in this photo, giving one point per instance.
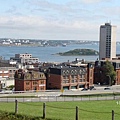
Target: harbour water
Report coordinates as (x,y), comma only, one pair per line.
(46,54)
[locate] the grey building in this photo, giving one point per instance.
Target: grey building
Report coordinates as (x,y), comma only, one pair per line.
(107,43)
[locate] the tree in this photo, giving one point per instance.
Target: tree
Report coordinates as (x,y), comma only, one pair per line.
(109,72)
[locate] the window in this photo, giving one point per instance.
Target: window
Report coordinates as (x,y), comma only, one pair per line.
(65,81)
(82,76)
(80,71)
(82,80)
(41,75)
(27,83)
(10,71)
(35,83)
(74,80)
(74,76)
(42,82)
(66,77)
(41,88)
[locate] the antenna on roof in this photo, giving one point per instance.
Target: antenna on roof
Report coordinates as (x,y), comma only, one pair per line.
(110,21)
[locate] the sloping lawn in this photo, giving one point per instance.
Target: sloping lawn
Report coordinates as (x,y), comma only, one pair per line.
(88,110)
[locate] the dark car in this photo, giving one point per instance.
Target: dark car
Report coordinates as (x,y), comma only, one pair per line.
(84,89)
(106,88)
(92,88)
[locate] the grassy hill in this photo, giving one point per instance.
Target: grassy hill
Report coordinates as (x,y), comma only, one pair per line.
(88,110)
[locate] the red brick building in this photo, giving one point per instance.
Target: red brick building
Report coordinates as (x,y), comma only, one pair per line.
(68,77)
(99,77)
(29,80)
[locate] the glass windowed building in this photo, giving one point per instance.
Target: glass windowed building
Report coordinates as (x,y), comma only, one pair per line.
(107,43)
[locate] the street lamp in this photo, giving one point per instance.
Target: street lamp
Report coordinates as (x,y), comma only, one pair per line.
(110,82)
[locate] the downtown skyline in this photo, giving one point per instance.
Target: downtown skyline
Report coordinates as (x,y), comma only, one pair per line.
(57,19)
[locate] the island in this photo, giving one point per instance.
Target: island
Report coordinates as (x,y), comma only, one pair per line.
(77,52)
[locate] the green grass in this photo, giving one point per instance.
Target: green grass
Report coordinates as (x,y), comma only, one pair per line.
(88,110)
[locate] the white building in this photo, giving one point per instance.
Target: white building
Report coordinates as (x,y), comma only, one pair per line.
(107,43)
(7,76)
(25,58)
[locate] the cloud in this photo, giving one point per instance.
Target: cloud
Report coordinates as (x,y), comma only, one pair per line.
(94,1)
(114,11)
(45,5)
(21,21)
(11,10)
(37,27)
(57,20)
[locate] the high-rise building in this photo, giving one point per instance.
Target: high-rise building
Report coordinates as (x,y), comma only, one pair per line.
(107,43)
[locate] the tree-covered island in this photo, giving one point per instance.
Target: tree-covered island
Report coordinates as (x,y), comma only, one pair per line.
(77,52)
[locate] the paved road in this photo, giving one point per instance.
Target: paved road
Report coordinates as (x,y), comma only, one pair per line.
(55,96)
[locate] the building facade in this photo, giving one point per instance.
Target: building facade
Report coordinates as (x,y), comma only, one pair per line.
(7,76)
(68,77)
(107,43)
(29,80)
(25,58)
(100,77)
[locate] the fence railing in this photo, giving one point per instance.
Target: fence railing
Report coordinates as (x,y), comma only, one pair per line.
(50,98)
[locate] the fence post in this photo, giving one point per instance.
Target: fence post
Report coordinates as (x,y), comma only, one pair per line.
(23,98)
(89,97)
(113,96)
(7,98)
(56,98)
(16,106)
(44,111)
(77,114)
(112,114)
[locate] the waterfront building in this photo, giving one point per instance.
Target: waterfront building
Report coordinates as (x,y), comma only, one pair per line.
(107,43)
(69,77)
(25,58)
(28,80)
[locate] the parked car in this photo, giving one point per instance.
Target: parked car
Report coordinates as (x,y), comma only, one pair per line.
(107,88)
(92,88)
(84,89)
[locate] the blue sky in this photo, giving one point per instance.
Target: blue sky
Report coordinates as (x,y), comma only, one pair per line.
(57,19)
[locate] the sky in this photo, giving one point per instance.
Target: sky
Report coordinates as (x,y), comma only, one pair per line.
(57,19)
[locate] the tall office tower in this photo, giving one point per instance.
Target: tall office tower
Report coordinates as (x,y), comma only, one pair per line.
(107,43)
